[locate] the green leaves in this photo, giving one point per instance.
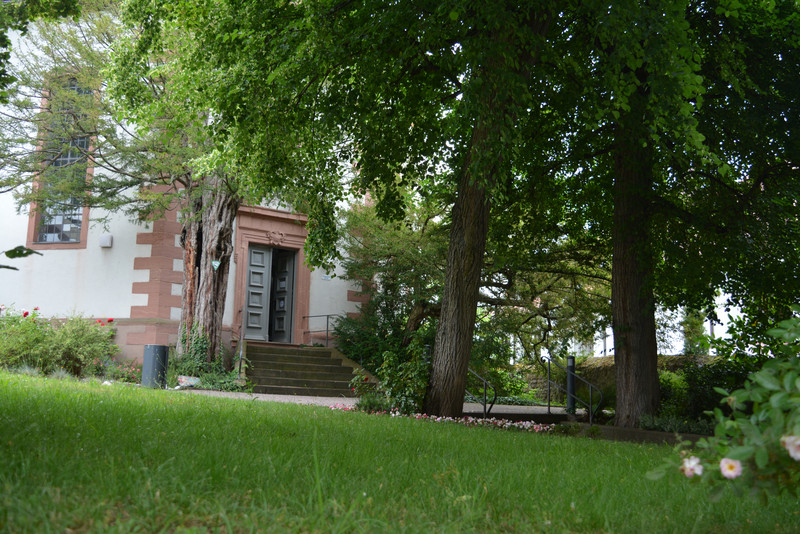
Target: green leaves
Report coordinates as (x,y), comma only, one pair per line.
(18,252)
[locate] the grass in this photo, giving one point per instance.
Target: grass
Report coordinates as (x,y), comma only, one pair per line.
(83,457)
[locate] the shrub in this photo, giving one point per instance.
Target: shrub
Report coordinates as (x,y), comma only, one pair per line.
(674,393)
(127,371)
(677,424)
(193,361)
(21,335)
(366,337)
(404,383)
(373,402)
(75,345)
(219,379)
(702,382)
(757,446)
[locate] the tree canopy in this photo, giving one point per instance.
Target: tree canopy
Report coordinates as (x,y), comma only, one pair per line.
(659,134)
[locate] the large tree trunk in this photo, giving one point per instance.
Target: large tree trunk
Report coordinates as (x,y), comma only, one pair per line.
(633,304)
(208,237)
(453,345)
(480,172)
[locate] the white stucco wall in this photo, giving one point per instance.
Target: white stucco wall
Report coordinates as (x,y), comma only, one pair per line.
(329,296)
(92,281)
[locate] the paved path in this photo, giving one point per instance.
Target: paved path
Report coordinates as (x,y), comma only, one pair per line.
(470,408)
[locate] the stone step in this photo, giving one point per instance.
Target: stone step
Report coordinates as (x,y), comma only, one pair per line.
(333,373)
(306,382)
(288,350)
(287,370)
(290,358)
(304,391)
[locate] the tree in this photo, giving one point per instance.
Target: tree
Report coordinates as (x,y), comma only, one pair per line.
(460,91)
(407,91)
(145,157)
(693,330)
(538,292)
(679,164)
(15,16)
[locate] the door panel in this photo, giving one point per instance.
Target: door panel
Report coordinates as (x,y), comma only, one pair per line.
(282,300)
(258,293)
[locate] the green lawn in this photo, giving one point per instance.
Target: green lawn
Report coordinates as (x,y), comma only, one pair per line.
(88,457)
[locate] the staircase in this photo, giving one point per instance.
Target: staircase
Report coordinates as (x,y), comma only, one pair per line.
(291,370)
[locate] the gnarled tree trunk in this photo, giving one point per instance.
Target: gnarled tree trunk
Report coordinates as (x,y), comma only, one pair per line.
(207,238)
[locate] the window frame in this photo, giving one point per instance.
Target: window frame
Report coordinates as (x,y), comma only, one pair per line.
(36,216)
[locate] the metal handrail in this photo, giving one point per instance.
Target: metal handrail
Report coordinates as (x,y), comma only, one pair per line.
(241,339)
(485,384)
(590,406)
(327,325)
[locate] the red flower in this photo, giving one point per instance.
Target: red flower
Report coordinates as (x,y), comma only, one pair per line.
(24,314)
(98,321)
(102,324)
(36,308)
(366,379)
(110,320)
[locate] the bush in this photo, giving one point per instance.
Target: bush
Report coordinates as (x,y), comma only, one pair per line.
(127,371)
(757,446)
(702,382)
(193,361)
(78,346)
(373,402)
(404,383)
(366,337)
(674,394)
(21,335)
(677,424)
(75,346)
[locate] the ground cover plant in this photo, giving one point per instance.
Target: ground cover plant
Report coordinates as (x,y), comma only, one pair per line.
(85,457)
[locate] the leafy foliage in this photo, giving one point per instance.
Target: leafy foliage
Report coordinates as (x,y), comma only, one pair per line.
(21,336)
(193,361)
(757,446)
(405,382)
(78,346)
(17,252)
(75,345)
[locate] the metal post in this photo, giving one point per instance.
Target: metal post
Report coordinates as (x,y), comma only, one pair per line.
(570,384)
(548,386)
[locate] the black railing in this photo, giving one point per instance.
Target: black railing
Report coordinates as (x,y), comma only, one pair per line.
(570,391)
(330,320)
(486,385)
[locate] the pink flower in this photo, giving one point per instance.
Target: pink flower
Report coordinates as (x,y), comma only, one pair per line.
(691,466)
(25,314)
(792,445)
(730,468)
(36,308)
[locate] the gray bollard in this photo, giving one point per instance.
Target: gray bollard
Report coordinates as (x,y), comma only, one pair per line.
(570,384)
(154,366)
